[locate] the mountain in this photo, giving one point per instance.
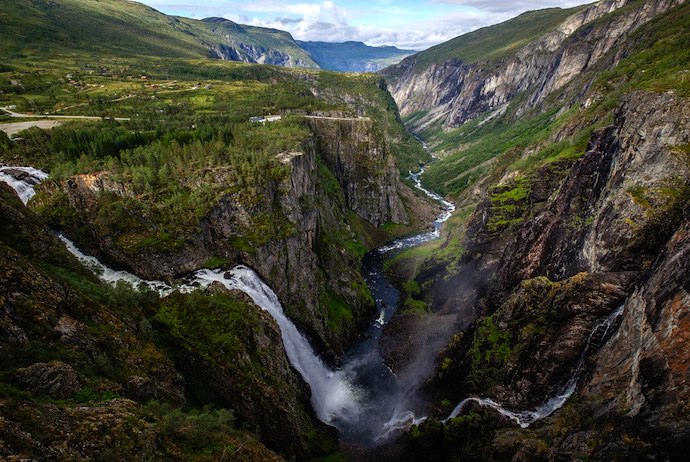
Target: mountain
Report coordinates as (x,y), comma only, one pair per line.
(125,28)
(353,56)
(559,280)
(255,44)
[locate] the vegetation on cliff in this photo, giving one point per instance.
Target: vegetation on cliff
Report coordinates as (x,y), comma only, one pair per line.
(91,370)
(576,189)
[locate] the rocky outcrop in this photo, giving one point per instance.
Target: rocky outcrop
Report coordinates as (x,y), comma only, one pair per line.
(251,44)
(119,429)
(642,372)
(360,159)
(238,51)
(452,92)
(237,360)
(55,379)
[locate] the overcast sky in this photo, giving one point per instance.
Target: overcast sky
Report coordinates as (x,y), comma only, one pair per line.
(404,23)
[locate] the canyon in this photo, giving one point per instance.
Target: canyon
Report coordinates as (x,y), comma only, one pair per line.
(296,290)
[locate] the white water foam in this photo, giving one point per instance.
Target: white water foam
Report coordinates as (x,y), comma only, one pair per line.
(24,183)
(526,418)
(333,397)
(417,239)
(112,276)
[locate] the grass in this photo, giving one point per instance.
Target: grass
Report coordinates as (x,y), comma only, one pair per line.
(339,312)
(121,28)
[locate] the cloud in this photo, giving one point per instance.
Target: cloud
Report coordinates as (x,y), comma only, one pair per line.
(508,6)
(287,21)
(401,23)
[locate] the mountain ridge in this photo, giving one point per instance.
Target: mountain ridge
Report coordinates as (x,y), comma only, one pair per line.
(353,56)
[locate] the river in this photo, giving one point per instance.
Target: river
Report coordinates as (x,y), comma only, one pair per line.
(386,405)
(363,398)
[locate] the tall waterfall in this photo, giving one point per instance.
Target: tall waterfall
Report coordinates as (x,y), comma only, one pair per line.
(333,396)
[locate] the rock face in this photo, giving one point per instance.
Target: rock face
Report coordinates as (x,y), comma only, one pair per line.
(55,379)
(57,342)
(599,218)
(452,92)
(238,51)
(612,231)
(255,45)
(360,159)
(290,231)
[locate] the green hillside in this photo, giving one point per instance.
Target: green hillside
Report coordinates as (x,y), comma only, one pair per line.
(495,42)
(121,28)
(656,62)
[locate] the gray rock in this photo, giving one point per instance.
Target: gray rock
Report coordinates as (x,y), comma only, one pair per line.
(55,379)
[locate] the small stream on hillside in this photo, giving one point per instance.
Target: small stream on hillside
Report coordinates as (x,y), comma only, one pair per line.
(363,398)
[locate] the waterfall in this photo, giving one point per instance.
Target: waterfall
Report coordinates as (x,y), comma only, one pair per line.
(525,418)
(112,276)
(22,180)
(333,396)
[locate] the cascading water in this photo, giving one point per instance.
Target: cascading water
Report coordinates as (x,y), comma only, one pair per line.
(22,180)
(363,399)
(387,405)
(526,418)
(417,239)
(112,276)
(333,396)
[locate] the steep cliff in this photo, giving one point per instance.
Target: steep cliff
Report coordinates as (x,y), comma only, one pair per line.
(610,231)
(582,190)
(359,157)
(252,44)
(451,92)
(83,361)
(289,228)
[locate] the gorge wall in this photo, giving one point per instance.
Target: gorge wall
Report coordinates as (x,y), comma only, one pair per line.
(130,364)
(558,240)
(454,91)
(290,231)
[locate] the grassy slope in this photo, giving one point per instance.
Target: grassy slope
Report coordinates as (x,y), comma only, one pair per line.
(490,44)
(120,28)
